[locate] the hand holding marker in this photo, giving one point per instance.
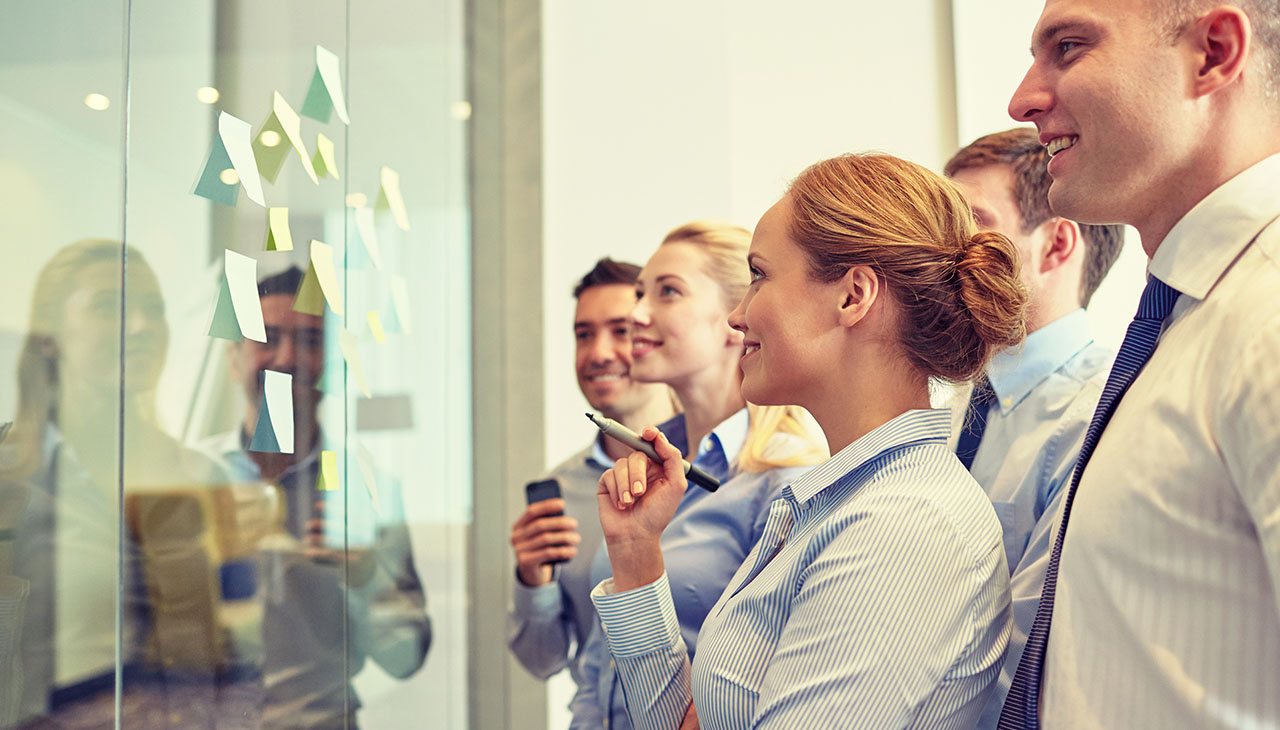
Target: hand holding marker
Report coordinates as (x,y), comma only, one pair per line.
(622,434)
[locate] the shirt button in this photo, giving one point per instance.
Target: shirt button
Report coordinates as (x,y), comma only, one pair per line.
(1007,402)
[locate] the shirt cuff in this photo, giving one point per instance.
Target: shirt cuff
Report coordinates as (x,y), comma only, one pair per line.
(638,621)
(537,601)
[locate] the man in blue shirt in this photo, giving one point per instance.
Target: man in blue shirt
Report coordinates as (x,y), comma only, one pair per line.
(1020,430)
(552,613)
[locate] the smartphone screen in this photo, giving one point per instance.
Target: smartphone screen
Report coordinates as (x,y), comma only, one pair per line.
(538,491)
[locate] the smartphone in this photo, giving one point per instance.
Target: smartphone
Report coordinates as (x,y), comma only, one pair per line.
(538,491)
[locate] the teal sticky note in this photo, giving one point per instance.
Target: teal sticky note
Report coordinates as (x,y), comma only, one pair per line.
(264,434)
(225,325)
(317,105)
(210,184)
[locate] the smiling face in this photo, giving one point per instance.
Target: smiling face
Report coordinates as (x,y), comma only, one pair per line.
(679,323)
(1108,94)
(788,325)
(295,345)
(602,330)
(89,340)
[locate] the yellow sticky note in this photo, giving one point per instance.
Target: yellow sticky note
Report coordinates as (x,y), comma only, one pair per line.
(325,162)
(328,481)
(278,236)
(389,197)
(322,264)
(351,351)
(375,326)
(268,146)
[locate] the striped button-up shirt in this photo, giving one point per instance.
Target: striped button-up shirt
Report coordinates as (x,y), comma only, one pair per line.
(878,596)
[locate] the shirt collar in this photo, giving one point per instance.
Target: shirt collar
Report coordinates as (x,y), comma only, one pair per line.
(1015,372)
(597,456)
(914,426)
(1204,243)
(729,436)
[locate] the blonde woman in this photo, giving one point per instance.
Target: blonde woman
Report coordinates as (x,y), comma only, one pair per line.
(680,337)
(878,595)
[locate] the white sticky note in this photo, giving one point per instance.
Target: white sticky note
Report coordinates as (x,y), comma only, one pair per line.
(400,300)
(242,280)
(291,123)
(389,196)
(326,274)
(330,71)
(351,351)
(369,234)
(237,138)
(375,327)
(278,388)
(365,460)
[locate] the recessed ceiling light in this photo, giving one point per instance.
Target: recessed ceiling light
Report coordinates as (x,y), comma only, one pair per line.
(207,95)
(229,177)
(97,102)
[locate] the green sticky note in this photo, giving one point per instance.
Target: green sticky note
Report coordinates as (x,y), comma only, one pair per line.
(271,156)
(225,325)
(317,105)
(310,298)
(278,236)
(324,161)
(328,480)
(264,434)
(210,184)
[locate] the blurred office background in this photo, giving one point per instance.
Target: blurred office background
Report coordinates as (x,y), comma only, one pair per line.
(529,138)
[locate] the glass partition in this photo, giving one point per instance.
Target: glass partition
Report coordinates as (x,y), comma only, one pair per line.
(234,349)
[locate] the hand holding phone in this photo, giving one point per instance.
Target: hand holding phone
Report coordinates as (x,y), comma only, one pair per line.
(543,536)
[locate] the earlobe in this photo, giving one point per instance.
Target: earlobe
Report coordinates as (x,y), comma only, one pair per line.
(1223,40)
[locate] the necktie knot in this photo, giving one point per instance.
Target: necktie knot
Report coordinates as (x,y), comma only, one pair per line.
(1157,300)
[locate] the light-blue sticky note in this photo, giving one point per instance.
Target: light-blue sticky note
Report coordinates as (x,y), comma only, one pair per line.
(210,183)
(324,96)
(224,325)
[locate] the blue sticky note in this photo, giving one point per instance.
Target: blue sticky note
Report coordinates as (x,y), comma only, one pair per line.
(264,434)
(225,325)
(210,184)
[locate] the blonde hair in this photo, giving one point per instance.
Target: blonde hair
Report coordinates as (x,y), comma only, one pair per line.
(724,247)
(957,289)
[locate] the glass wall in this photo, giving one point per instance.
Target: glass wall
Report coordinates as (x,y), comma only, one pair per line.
(234,353)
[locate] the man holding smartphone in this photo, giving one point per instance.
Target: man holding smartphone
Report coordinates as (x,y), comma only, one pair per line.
(552,613)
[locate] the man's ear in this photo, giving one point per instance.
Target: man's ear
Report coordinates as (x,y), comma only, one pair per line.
(858,290)
(1221,40)
(1062,240)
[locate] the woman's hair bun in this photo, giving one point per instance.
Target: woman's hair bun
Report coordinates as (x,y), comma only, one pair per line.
(991,290)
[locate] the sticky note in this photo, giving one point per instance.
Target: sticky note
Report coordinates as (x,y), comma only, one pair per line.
(235,134)
(328,480)
(400,301)
(283,124)
(375,326)
(210,183)
(324,161)
(278,236)
(320,284)
(351,352)
(243,317)
(365,460)
(389,197)
(274,432)
(325,93)
(368,234)
(384,413)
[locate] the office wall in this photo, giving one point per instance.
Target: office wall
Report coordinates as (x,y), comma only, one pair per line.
(661,112)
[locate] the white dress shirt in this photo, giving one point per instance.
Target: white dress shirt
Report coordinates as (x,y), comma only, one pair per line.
(1168,600)
(876,598)
(1046,391)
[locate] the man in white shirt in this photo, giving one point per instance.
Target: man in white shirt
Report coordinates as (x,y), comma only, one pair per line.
(1019,432)
(552,614)
(1165,611)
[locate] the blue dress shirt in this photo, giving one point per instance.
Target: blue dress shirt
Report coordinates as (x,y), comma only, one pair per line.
(877,597)
(707,539)
(1046,391)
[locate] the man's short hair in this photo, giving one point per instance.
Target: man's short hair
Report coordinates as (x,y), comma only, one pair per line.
(1264,17)
(285,282)
(1021,151)
(605,272)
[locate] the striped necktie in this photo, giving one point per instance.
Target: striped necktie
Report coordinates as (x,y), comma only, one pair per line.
(975,422)
(1021,708)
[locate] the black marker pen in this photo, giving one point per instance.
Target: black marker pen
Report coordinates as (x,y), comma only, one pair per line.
(622,434)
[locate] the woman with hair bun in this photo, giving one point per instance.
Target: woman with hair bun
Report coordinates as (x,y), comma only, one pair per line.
(877,596)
